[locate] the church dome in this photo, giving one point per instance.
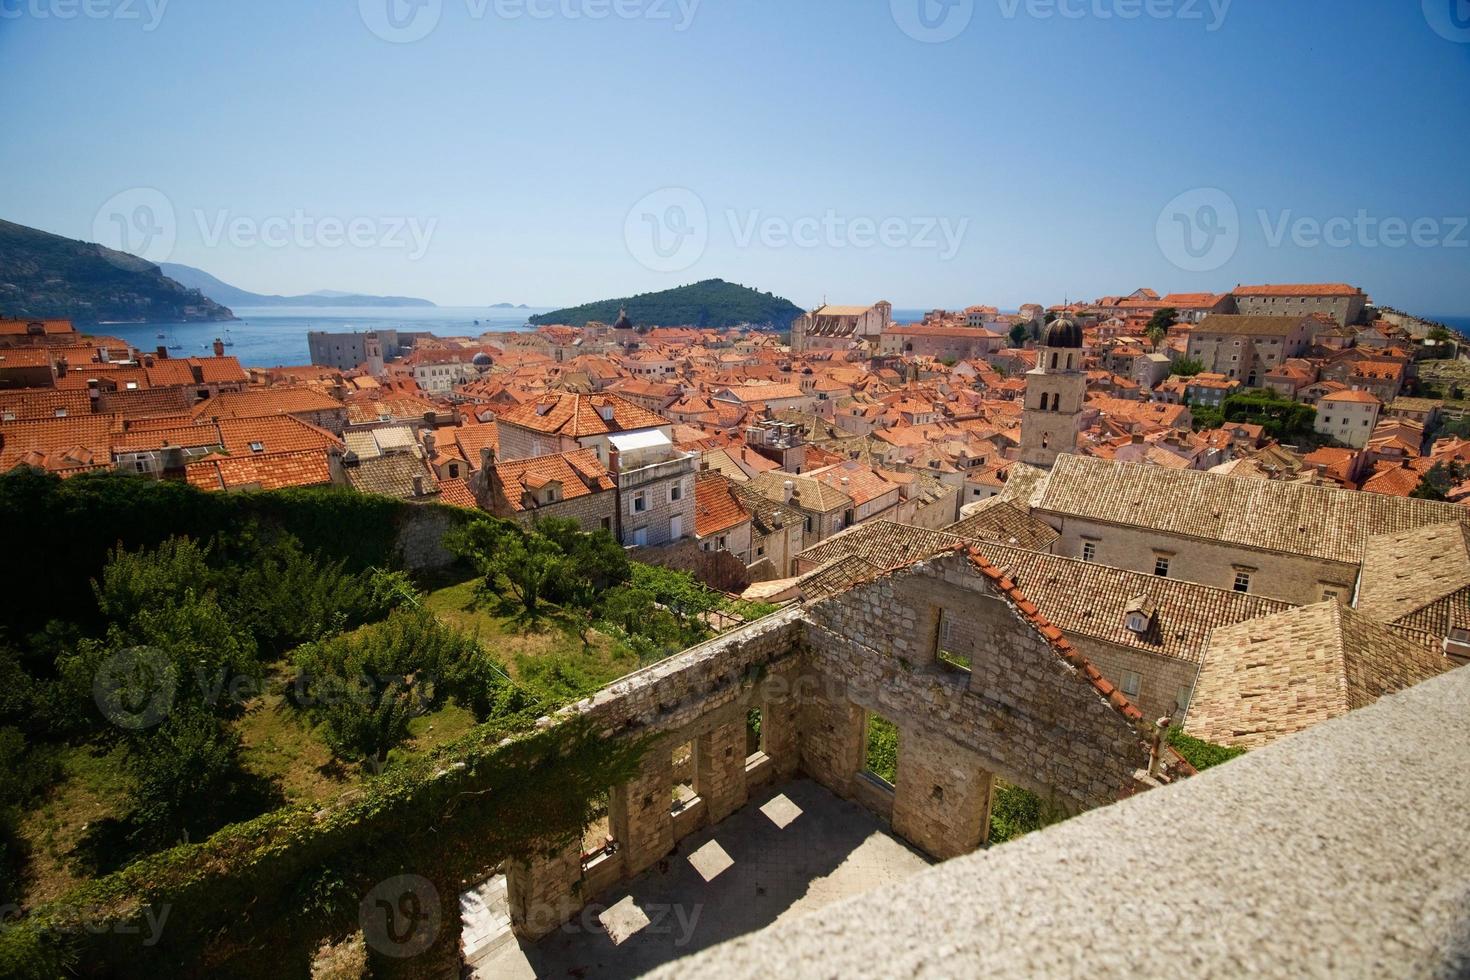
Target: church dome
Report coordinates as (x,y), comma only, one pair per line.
(1062,332)
(623,322)
(481,360)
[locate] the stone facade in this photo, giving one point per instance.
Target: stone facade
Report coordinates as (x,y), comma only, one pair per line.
(1029,711)
(1298,579)
(1056,390)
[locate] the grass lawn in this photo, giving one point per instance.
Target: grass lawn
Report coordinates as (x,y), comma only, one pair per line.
(546,656)
(91,790)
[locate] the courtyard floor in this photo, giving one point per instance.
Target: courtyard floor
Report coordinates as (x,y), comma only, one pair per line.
(792,850)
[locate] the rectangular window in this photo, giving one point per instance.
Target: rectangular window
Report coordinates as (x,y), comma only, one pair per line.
(952,653)
(1161,567)
(676,492)
(1089,551)
(1242,581)
(880,750)
(1132,683)
(640,502)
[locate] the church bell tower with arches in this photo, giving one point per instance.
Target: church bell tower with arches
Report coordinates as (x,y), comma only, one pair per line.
(1055,392)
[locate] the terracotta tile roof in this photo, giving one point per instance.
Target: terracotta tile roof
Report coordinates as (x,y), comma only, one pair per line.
(58,443)
(576,416)
(1299,289)
(458,494)
(1393,482)
(579,473)
(258,402)
(1280,674)
(1357,397)
(42,403)
(1293,518)
(860,482)
(270,471)
(717,508)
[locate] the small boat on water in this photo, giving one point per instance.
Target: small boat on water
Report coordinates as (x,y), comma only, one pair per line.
(229,341)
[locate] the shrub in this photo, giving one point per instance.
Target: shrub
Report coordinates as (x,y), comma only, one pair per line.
(1199,753)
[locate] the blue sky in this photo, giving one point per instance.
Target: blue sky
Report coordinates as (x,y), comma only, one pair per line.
(1063,150)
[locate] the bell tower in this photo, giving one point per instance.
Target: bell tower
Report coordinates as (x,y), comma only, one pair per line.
(1055,392)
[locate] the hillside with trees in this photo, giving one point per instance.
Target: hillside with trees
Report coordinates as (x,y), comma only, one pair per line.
(714,304)
(46,276)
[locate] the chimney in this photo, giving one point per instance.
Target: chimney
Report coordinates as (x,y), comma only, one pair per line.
(60,368)
(1137,439)
(487,458)
(429,444)
(790,491)
(94,394)
(418,486)
(161,353)
(219,347)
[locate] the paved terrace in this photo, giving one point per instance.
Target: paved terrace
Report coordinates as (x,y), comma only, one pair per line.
(790,851)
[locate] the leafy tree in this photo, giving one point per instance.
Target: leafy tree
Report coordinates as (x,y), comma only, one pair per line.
(681,594)
(1282,417)
(1440,479)
(594,559)
(366,687)
(528,562)
(184,776)
(135,581)
(1162,320)
(1187,367)
(1019,334)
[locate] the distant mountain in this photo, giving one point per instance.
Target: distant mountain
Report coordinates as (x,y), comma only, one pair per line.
(509,306)
(223,292)
(713,303)
(46,275)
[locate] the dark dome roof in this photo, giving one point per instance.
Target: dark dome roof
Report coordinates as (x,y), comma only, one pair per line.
(623,322)
(1062,332)
(481,360)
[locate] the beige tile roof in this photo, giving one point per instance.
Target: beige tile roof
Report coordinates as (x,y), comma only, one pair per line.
(1280,674)
(392,476)
(1089,599)
(1291,518)
(1006,524)
(1418,578)
(812,495)
(886,544)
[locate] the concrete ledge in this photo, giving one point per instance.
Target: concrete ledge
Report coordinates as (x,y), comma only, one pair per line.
(1339,852)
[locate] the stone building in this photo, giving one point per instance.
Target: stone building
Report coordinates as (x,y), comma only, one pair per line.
(979,686)
(841,328)
(656,501)
(571,485)
(1285,540)
(1339,301)
(1247,348)
(1056,390)
(349,351)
